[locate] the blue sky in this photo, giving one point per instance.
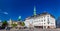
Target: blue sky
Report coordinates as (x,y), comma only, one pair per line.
(14,8)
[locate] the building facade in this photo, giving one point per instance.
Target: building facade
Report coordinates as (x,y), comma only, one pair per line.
(10,22)
(0,23)
(43,20)
(18,23)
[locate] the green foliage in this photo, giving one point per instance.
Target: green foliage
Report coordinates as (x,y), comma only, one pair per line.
(14,25)
(22,23)
(4,24)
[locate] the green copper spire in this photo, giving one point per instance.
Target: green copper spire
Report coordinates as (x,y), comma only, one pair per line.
(19,18)
(10,20)
(34,10)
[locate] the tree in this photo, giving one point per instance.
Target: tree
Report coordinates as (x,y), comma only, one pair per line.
(22,23)
(4,24)
(14,25)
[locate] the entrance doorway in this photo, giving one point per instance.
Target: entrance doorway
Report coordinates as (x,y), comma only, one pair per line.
(48,26)
(38,26)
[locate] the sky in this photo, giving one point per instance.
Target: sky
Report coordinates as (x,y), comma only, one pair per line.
(24,8)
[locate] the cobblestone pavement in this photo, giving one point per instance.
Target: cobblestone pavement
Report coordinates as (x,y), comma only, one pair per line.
(33,30)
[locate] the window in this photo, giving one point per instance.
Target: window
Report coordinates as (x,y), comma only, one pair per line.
(48,19)
(44,19)
(44,16)
(41,20)
(35,21)
(41,17)
(48,22)
(47,16)
(44,23)
(52,23)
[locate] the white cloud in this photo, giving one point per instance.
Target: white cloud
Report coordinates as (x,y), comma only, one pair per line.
(0,20)
(5,12)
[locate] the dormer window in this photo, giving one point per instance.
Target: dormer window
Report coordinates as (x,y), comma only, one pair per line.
(47,16)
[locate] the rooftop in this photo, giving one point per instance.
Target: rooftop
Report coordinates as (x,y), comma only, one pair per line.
(41,14)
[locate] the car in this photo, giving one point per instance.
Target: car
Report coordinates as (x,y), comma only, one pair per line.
(7,28)
(0,27)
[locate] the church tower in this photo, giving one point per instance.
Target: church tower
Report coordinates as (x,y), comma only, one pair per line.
(34,10)
(19,18)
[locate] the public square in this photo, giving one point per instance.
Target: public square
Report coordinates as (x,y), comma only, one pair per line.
(58,29)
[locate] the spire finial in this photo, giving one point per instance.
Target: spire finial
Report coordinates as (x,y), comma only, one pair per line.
(10,20)
(34,10)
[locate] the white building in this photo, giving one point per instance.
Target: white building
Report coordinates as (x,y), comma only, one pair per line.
(10,22)
(43,20)
(0,23)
